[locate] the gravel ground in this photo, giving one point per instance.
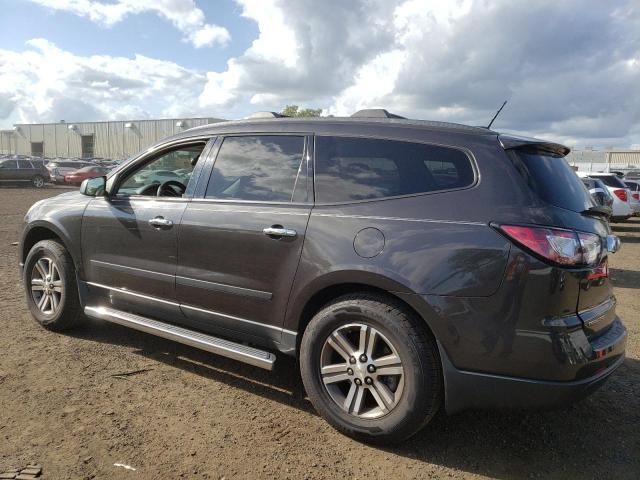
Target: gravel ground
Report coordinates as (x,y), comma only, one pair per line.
(64,404)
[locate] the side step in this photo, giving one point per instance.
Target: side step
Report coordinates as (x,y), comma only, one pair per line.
(225,348)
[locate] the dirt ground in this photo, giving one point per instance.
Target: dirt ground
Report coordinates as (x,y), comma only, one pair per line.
(190,414)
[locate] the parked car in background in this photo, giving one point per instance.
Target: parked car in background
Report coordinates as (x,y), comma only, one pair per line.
(408,265)
(622,209)
(632,175)
(23,171)
(59,168)
(600,193)
(77,177)
(634,189)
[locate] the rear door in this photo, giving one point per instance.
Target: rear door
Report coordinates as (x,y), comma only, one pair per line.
(241,239)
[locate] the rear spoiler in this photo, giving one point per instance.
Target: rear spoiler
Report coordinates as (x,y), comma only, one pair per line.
(510,142)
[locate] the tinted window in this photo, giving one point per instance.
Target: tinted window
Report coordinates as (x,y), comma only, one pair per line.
(260,168)
(9,164)
(611,181)
(352,169)
(551,177)
(633,186)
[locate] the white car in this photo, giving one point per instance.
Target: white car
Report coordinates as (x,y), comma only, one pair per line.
(621,194)
(634,188)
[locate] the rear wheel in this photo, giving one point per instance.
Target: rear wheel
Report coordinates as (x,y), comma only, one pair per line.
(38,181)
(51,288)
(371,369)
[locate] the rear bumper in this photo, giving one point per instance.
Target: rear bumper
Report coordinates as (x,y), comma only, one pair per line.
(465,389)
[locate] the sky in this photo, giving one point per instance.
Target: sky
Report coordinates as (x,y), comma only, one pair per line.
(570,68)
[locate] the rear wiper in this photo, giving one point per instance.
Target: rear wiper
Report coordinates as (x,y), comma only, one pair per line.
(598,210)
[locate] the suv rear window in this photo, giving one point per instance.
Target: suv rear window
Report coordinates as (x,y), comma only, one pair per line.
(354,169)
(610,181)
(553,180)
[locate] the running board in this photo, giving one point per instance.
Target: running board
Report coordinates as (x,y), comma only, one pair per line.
(225,348)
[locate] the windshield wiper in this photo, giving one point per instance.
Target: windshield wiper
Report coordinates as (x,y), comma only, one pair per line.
(599,210)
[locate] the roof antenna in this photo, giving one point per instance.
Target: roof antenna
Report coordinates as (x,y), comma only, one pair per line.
(497,113)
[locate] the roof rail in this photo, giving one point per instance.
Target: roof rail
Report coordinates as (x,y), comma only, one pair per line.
(375,113)
(265,115)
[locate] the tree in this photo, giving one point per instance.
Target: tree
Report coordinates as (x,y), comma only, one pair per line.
(295,111)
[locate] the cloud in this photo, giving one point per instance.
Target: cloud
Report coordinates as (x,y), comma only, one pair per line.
(46,83)
(183,14)
(570,68)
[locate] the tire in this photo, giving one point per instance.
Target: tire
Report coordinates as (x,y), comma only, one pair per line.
(418,390)
(37,181)
(62,310)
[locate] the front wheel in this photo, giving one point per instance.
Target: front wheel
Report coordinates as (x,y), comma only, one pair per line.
(371,369)
(38,181)
(51,287)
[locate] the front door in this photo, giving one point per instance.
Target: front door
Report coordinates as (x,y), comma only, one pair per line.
(129,240)
(240,242)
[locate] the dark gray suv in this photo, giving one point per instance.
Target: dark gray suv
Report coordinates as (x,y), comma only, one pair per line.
(406,264)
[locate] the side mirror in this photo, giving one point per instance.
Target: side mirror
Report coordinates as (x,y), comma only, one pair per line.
(93,187)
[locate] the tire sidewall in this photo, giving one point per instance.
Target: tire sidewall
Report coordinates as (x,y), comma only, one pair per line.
(34,181)
(39,251)
(400,422)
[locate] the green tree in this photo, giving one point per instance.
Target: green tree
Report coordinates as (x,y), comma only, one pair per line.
(295,111)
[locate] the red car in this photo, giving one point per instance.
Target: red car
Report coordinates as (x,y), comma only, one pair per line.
(77,177)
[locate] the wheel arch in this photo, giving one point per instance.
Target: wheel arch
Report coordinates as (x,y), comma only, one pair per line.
(39,231)
(310,304)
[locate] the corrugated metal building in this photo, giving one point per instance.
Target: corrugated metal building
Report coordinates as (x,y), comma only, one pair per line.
(112,139)
(605,160)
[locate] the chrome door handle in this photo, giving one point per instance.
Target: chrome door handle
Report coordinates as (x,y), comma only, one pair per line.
(278,231)
(160,222)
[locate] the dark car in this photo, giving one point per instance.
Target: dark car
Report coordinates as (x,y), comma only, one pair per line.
(23,171)
(406,264)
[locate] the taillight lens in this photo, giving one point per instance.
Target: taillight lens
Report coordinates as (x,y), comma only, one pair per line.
(564,247)
(636,196)
(621,194)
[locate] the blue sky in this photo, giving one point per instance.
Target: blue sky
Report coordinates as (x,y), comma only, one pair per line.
(571,69)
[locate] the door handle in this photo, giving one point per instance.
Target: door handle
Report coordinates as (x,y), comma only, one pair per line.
(279,231)
(160,222)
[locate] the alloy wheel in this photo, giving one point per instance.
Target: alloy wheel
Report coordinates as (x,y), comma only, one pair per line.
(47,286)
(362,371)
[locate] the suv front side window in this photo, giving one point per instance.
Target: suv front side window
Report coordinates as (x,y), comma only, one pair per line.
(176,165)
(266,168)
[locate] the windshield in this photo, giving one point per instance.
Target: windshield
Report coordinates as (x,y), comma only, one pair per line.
(553,180)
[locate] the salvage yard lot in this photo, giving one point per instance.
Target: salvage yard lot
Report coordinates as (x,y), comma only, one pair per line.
(81,402)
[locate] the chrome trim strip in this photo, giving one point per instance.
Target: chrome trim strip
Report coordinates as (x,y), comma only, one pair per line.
(223,287)
(134,269)
(225,348)
(191,307)
(134,294)
(239,319)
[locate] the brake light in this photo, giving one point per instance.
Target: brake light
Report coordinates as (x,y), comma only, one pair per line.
(621,194)
(636,196)
(563,247)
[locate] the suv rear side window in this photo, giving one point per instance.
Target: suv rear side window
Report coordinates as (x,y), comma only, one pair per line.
(553,180)
(354,169)
(265,168)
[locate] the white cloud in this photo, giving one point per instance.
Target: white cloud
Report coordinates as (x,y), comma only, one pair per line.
(46,83)
(183,14)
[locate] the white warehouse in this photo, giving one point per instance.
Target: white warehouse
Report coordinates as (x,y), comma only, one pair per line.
(112,139)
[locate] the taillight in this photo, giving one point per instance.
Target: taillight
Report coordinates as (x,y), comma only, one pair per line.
(621,194)
(564,247)
(636,196)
